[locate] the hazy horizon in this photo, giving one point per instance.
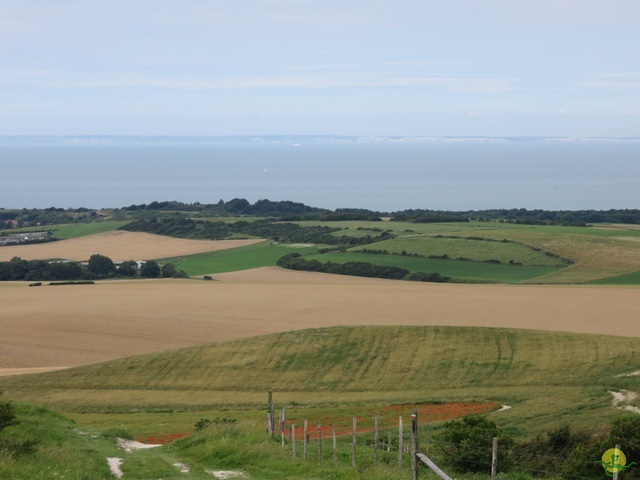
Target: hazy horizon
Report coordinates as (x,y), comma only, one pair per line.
(382,176)
(270,67)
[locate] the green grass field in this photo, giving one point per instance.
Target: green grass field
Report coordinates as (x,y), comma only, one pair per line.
(627,279)
(472,249)
(62,232)
(72,230)
(263,254)
(457,270)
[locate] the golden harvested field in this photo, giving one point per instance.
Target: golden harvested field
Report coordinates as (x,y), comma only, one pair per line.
(81,324)
(119,246)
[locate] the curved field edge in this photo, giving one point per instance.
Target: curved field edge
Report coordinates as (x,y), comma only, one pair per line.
(548,376)
(262,254)
(470,248)
(627,279)
(457,270)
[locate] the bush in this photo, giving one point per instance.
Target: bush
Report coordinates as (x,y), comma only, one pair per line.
(7,415)
(546,454)
(467,444)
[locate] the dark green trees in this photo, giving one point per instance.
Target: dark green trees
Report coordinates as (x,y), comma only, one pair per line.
(101,266)
(150,269)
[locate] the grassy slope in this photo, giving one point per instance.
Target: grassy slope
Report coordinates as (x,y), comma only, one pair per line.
(547,377)
(60,452)
(262,254)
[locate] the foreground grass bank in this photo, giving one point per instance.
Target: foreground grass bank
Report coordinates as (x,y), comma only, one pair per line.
(548,379)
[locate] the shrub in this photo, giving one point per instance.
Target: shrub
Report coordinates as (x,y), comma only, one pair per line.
(467,444)
(7,415)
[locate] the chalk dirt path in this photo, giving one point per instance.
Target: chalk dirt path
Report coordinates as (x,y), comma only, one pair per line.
(48,327)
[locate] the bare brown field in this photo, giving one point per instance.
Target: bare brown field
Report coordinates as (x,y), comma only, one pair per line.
(119,246)
(81,324)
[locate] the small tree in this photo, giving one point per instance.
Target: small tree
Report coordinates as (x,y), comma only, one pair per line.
(128,268)
(150,269)
(467,443)
(101,266)
(169,270)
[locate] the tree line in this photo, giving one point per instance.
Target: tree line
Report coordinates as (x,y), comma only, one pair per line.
(99,267)
(277,231)
(287,210)
(295,261)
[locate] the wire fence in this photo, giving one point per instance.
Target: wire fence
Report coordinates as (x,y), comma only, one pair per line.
(361,445)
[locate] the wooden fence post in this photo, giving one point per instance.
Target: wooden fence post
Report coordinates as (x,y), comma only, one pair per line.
(282,425)
(494,458)
(293,440)
(269,418)
(273,420)
(306,439)
(376,437)
(353,447)
(400,441)
(415,445)
(319,443)
(335,447)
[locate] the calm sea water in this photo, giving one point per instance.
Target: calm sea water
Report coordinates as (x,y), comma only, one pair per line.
(386,177)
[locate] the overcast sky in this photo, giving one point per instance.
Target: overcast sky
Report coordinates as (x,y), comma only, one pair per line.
(337,67)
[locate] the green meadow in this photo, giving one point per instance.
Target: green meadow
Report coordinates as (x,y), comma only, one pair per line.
(457,270)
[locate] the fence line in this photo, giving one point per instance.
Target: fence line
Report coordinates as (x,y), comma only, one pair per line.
(417,458)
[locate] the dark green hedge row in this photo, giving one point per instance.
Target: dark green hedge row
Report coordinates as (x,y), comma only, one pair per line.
(294,261)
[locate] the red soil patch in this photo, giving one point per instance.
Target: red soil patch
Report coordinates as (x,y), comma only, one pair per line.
(427,412)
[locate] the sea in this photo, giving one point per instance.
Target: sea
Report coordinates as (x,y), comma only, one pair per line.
(378,173)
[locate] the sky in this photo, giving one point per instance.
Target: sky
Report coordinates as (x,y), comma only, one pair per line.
(320,67)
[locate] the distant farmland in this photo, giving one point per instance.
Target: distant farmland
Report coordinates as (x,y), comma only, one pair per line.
(118,245)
